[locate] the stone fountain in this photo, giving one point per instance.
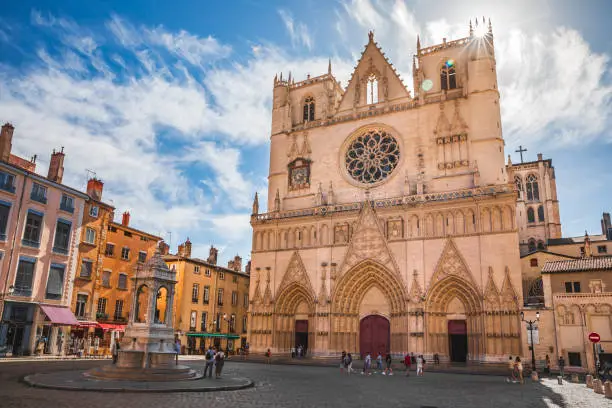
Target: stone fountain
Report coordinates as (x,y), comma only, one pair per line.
(147,350)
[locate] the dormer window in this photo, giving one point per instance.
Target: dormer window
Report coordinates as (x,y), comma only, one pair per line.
(309,109)
(448,75)
(372,90)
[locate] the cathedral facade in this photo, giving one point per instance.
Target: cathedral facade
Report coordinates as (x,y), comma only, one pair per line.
(392,220)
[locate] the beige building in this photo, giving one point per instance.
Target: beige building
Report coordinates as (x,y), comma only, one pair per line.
(211,303)
(391,221)
(537,207)
(569,284)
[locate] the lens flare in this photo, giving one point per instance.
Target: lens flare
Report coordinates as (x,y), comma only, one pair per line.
(480,30)
(450,63)
(427,85)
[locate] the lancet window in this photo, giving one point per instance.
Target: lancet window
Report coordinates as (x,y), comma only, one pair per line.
(372,90)
(532,245)
(309,109)
(448,75)
(541,214)
(530,215)
(533,190)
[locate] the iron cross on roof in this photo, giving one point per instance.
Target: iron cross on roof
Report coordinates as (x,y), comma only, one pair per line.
(520,151)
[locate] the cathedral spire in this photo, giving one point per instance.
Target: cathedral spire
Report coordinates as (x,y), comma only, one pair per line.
(371,36)
(255,205)
(471,28)
(330,194)
(329,67)
(490,27)
(418,44)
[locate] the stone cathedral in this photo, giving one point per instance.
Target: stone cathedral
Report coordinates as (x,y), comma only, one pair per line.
(392,221)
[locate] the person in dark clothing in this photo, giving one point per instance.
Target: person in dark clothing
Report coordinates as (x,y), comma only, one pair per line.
(388,369)
(561,366)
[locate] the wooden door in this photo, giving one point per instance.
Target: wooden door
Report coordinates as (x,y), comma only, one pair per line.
(374,335)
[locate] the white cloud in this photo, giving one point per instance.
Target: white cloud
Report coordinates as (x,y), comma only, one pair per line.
(298,32)
(553,88)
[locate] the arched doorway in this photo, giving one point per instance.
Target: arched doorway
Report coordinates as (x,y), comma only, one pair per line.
(374,335)
(293,310)
(369,289)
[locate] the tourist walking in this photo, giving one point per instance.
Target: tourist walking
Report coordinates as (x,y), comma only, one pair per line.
(367,364)
(547,366)
(407,363)
(210,361)
(219,361)
(561,366)
(519,369)
(379,365)
(343,364)
(349,363)
(177,347)
(115,350)
(388,369)
(512,369)
(268,357)
(420,361)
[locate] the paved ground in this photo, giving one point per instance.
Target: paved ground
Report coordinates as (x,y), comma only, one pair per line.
(302,386)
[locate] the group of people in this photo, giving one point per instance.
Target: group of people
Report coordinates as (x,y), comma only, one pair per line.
(346,364)
(214,358)
(299,351)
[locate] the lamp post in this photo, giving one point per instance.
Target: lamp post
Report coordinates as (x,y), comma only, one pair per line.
(530,324)
(228,320)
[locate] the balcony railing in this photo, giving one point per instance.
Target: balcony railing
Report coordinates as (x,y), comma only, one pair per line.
(39,197)
(67,208)
(22,291)
(7,187)
(83,316)
(30,243)
(60,250)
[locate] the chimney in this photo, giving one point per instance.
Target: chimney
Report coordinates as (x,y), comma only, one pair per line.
(187,248)
(94,188)
(605,223)
(237,263)
(56,166)
(164,248)
(212,255)
(181,250)
(230,265)
(125,221)
(539,156)
(247,268)
(6,141)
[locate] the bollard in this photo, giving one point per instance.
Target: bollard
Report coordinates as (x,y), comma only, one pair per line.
(575,378)
(589,381)
(534,376)
(608,389)
(597,387)
(560,380)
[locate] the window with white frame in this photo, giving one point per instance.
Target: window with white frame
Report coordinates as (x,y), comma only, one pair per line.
(90,235)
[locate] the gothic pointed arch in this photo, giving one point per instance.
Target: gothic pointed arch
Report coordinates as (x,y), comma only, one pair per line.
(368,241)
(353,285)
(296,273)
(257,298)
(491,293)
(372,61)
(451,264)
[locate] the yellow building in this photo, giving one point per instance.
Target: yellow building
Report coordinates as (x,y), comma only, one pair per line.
(211,302)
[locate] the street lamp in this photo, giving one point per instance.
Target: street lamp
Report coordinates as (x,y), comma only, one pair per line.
(530,324)
(228,320)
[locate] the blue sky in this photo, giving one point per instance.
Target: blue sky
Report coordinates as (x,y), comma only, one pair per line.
(169,101)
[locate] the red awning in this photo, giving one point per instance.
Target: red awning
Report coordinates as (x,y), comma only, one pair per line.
(59,315)
(110,326)
(87,323)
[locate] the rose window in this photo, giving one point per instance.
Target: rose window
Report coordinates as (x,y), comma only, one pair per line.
(372,157)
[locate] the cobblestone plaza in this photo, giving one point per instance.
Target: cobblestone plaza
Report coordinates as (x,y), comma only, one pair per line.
(305,386)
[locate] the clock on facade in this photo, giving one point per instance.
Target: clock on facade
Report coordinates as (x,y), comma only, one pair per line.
(299,174)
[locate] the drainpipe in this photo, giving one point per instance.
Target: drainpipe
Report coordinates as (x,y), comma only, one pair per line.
(8,271)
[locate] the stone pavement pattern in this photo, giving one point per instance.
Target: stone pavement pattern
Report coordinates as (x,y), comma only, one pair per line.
(577,395)
(296,387)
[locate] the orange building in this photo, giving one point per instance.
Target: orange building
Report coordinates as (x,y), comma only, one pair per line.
(96,218)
